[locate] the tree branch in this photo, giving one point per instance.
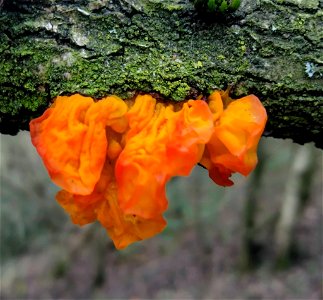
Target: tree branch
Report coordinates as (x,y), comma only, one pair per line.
(97,47)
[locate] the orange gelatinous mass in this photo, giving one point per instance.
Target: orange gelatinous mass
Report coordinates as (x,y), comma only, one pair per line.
(233,145)
(160,143)
(124,228)
(113,158)
(102,205)
(70,138)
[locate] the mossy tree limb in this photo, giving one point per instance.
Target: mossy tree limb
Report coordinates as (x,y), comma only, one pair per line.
(270,48)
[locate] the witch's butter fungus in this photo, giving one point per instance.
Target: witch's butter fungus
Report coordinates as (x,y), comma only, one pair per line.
(113,158)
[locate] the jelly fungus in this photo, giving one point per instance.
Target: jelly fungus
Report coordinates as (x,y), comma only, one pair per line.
(113,158)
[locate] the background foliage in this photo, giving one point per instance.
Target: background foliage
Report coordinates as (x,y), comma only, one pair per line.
(210,250)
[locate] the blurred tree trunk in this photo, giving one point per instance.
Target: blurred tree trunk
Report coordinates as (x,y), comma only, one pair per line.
(297,192)
(250,247)
(271,48)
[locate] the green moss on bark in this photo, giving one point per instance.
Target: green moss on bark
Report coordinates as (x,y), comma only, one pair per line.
(272,49)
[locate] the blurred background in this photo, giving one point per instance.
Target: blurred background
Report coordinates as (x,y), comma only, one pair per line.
(260,239)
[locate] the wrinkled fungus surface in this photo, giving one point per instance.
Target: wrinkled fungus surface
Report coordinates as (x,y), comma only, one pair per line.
(113,158)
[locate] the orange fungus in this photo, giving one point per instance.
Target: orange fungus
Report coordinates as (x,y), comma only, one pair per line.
(166,145)
(233,144)
(71,139)
(113,158)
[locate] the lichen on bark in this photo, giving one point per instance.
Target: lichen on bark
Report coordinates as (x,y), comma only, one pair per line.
(270,48)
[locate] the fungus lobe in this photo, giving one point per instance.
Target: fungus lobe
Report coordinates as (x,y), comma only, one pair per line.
(233,144)
(71,139)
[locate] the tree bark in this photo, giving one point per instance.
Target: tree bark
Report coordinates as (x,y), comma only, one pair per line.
(272,49)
